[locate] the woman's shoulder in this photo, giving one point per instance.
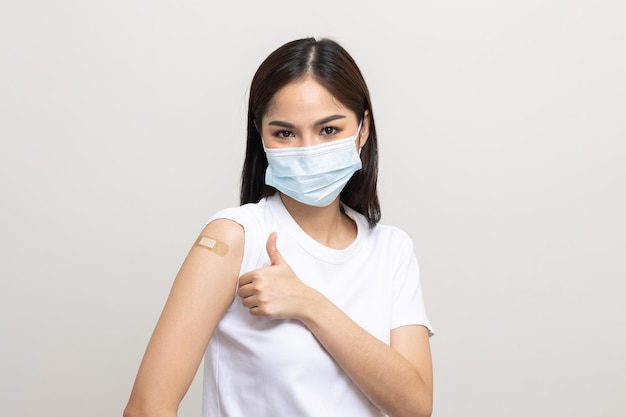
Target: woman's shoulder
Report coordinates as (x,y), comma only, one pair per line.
(243,213)
(381,233)
(244,227)
(247,217)
(391,237)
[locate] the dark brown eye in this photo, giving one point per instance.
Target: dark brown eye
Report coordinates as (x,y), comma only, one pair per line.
(329,130)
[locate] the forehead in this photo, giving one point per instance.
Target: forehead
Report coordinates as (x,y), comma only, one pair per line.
(303,99)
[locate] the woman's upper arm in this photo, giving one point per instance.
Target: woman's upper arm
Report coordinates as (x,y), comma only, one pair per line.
(413,343)
(202,291)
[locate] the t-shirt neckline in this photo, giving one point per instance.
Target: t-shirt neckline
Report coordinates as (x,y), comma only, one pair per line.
(309,244)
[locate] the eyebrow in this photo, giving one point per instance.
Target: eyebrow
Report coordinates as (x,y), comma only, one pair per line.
(317,123)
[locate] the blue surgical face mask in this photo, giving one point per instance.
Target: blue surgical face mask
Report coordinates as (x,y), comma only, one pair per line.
(313,175)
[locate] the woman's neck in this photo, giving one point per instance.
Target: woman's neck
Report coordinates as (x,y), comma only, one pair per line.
(329,225)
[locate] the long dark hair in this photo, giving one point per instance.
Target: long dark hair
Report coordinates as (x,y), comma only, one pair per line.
(331,66)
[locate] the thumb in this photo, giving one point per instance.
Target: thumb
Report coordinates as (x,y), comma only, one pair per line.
(272,251)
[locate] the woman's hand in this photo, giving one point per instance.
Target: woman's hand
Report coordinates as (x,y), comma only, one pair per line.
(275,291)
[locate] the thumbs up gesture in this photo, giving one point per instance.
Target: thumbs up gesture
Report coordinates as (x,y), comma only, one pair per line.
(275,291)
(272,250)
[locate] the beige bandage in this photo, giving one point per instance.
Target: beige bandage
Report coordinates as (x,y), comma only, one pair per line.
(211,244)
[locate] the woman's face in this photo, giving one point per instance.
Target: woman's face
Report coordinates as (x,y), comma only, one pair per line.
(304,113)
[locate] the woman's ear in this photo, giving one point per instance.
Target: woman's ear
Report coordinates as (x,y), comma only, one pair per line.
(365,129)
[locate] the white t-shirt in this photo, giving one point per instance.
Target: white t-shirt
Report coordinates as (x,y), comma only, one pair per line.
(262,367)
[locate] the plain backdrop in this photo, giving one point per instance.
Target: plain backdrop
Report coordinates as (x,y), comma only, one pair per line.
(502,129)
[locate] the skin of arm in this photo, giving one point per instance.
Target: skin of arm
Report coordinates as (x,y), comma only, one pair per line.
(201,293)
(398,379)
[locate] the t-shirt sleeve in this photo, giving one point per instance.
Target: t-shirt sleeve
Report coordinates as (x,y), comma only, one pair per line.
(247,217)
(408,302)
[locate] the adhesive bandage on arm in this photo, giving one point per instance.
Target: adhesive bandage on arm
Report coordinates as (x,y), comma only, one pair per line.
(212,244)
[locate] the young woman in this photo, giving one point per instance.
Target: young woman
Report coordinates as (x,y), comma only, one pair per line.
(302,304)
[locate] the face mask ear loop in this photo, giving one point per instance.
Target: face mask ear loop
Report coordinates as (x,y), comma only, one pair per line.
(358,131)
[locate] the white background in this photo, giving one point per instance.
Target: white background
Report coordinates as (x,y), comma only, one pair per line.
(501,125)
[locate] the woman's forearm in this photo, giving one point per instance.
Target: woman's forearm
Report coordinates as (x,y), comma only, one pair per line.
(384,375)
